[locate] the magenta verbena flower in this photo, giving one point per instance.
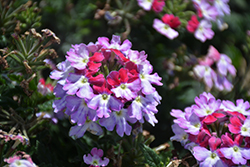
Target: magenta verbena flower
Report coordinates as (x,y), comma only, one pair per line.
(95,158)
(208,127)
(99,80)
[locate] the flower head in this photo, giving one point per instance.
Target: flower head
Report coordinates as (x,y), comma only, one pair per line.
(100,81)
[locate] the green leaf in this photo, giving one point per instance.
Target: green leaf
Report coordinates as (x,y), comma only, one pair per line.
(151,158)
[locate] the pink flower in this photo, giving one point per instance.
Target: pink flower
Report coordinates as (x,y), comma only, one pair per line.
(192,24)
(165,29)
(95,158)
(237,126)
(213,53)
(171,20)
(158,5)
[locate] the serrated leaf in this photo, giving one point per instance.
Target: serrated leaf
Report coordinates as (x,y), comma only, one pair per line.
(151,158)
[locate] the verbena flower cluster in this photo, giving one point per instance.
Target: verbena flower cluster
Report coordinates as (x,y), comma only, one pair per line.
(208,11)
(217,132)
(215,69)
(106,83)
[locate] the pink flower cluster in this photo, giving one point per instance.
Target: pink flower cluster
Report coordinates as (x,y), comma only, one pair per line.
(219,75)
(217,132)
(20,159)
(108,84)
(208,11)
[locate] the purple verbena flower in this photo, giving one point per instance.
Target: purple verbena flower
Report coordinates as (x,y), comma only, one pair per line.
(224,65)
(209,158)
(139,58)
(79,111)
(95,158)
(79,85)
(141,105)
(233,151)
(120,120)
(241,106)
(222,7)
(222,83)
(204,31)
(205,73)
(64,68)
(146,79)
(180,134)
(115,43)
(89,125)
(79,57)
(208,12)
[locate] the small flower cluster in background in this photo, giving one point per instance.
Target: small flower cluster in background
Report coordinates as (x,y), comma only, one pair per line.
(208,11)
(108,84)
(217,132)
(215,69)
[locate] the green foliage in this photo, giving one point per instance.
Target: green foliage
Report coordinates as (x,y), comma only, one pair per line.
(151,158)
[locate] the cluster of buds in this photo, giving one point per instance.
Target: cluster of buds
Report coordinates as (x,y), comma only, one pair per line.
(219,75)
(208,11)
(108,84)
(217,132)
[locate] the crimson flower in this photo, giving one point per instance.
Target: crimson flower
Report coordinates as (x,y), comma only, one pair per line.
(171,20)
(193,24)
